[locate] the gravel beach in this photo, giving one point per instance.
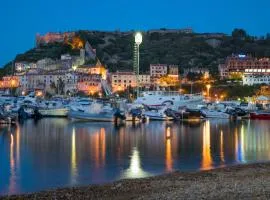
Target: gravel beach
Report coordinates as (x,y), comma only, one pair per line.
(236,182)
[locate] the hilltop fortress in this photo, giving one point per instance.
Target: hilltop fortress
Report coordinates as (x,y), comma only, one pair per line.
(53,37)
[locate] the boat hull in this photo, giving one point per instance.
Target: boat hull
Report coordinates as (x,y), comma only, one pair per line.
(260,115)
(83,116)
(215,114)
(60,112)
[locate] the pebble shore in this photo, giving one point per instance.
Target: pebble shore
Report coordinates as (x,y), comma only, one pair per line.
(236,182)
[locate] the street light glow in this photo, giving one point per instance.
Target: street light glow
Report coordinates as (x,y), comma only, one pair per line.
(208,86)
(138,38)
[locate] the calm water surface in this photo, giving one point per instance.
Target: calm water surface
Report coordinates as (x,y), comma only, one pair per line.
(53,153)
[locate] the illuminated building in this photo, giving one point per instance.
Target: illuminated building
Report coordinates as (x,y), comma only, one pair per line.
(98,69)
(236,65)
(23,66)
(53,37)
(29,82)
(158,71)
(251,79)
(9,82)
(89,83)
(123,80)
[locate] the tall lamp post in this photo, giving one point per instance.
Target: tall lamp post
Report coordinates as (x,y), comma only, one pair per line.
(208,86)
(138,41)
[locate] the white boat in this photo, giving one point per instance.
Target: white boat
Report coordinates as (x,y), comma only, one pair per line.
(174,99)
(85,116)
(52,109)
(214,114)
(95,112)
(157,114)
(54,112)
(133,112)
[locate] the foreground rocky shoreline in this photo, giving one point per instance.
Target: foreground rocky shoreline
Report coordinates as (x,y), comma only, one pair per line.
(236,182)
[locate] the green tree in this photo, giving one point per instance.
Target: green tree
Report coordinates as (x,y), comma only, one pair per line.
(268,36)
(239,34)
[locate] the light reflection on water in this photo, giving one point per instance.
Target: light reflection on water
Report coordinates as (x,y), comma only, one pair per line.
(206,148)
(57,153)
(73,158)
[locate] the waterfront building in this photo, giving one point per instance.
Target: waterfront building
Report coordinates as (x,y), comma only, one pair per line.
(253,79)
(9,82)
(237,65)
(122,80)
(89,83)
(98,69)
(30,82)
(158,71)
(173,72)
(144,80)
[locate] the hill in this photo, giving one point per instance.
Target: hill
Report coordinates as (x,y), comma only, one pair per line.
(115,49)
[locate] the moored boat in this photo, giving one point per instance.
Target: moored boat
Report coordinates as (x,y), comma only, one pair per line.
(53,109)
(100,114)
(172,98)
(263,114)
(214,114)
(158,114)
(53,112)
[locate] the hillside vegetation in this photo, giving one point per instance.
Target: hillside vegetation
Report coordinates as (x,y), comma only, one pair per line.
(115,49)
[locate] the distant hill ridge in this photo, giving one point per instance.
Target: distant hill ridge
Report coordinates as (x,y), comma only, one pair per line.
(182,47)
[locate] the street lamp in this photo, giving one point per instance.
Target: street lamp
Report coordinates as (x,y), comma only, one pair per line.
(74,67)
(138,41)
(208,86)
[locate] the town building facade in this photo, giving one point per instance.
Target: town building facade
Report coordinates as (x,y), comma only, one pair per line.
(237,65)
(253,79)
(122,80)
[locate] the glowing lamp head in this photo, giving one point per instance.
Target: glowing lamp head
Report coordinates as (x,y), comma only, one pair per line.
(74,67)
(39,93)
(138,38)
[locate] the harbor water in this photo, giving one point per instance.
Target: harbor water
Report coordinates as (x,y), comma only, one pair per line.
(52,153)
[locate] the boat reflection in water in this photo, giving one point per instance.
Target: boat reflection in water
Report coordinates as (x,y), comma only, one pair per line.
(54,153)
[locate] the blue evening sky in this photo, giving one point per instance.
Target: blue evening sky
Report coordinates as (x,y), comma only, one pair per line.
(20,20)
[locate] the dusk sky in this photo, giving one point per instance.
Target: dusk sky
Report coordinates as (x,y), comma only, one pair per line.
(22,19)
